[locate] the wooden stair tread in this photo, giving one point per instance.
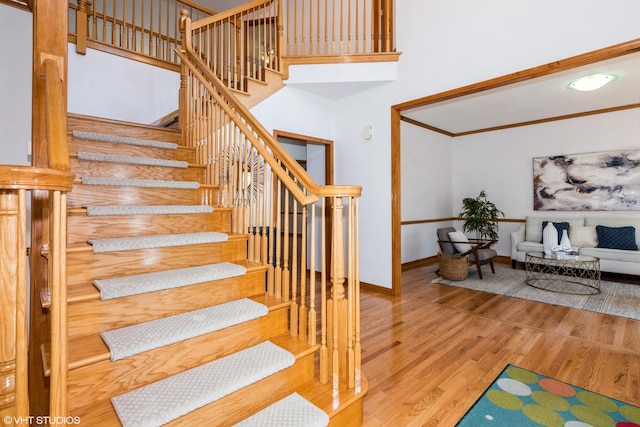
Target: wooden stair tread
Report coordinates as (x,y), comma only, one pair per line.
(120,127)
(87,291)
(89,349)
(323,396)
(101,412)
(88,248)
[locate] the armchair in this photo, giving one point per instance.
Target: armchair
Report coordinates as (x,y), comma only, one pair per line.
(479,251)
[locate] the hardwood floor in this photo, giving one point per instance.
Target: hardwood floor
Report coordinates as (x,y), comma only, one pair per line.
(430,353)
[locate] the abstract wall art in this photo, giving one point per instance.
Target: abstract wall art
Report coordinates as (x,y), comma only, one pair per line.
(607,181)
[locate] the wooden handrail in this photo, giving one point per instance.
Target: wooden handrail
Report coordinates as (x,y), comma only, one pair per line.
(56,117)
(14,177)
(188,58)
(272,199)
(291,164)
(228,13)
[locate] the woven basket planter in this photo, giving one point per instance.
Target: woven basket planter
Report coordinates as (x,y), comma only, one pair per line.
(453,267)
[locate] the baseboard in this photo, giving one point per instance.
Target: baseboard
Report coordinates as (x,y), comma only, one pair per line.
(375,288)
(419,263)
(500,259)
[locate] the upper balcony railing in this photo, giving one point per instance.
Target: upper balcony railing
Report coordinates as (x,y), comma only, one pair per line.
(147,29)
(249,38)
(316,28)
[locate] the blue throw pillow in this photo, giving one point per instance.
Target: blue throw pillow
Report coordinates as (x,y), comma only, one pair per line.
(617,237)
(559,226)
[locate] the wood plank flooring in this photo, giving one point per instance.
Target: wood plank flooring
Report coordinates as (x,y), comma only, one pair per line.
(430,353)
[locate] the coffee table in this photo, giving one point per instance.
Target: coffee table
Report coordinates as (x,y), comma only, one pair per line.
(569,275)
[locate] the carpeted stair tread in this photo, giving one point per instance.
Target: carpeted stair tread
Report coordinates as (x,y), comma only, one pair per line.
(124,286)
(160,402)
(103,137)
(292,411)
(91,348)
(146,183)
(116,244)
(114,210)
(87,291)
(141,337)
(134,160)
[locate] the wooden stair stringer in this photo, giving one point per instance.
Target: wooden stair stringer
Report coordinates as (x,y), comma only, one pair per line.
(259,90)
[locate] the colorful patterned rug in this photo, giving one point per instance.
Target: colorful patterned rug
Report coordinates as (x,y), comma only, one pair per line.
(521,398)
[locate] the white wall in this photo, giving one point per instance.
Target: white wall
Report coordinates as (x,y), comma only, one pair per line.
(444,43)
(427,188)
(508,178)
(458,43)
(15,85)
(109,86)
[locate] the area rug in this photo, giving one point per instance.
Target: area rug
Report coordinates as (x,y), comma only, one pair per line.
(521,398)
(619,299)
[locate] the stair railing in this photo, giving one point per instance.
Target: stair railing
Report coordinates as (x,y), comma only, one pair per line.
(321,28)
(243,42)
(15,182)
(240,43)
(286,214)
(146,28)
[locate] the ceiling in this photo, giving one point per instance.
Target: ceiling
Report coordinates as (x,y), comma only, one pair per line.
(532,100)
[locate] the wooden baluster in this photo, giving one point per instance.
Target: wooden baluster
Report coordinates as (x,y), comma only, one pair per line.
(285,253)
(302,317)
(356,295)
(277,236)
(356,48)
(271,259)
(350,296)
(236,81)
(324,351)
(258,192)
(264,240)
(293,236)
(183,116)
(313,318)
(58,404)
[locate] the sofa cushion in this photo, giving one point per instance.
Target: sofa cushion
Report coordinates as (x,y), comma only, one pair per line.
(583,236)
(612,254)
(533,226)
(560,227)
(460,241)
(530,247)
(615,222)
(617,237)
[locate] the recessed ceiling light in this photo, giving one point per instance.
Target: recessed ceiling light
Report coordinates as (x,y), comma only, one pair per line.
(591,82)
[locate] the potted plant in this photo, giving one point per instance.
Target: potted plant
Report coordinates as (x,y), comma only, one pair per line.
(481,216)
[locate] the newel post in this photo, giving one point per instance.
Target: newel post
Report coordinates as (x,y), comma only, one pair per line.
(337,305)
(185,38)
(82,26)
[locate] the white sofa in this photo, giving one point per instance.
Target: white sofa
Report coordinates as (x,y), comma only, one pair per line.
(529,236)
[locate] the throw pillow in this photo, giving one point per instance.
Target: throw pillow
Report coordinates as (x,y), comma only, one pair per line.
(559,226)
(460,241)
(617,237)
(584,236)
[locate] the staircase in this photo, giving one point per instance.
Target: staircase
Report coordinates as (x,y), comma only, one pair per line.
(194,339)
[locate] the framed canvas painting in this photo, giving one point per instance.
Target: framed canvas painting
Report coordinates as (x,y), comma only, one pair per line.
(606,181)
